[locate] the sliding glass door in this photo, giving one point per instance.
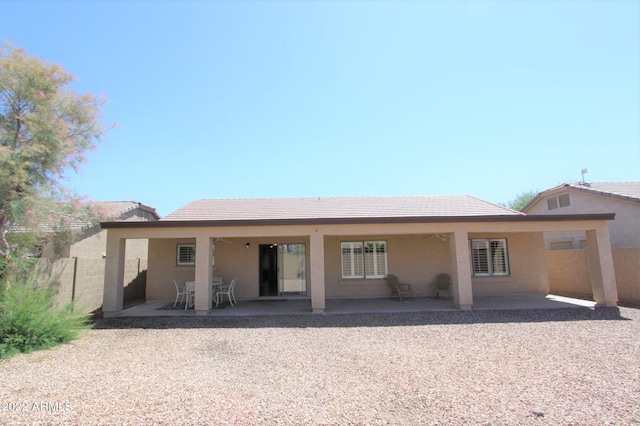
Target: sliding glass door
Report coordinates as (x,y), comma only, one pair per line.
(292,271)
(283,270)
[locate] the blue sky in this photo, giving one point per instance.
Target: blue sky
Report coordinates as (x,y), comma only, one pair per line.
(222,99)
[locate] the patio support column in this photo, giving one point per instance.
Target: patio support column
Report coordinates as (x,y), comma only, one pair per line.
(204,258)
(316,258)
(113,274)
(601,270)
(461,270)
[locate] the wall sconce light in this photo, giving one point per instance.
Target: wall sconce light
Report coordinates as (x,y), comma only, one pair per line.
(248,245)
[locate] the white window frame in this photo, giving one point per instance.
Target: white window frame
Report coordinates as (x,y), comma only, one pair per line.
(364,259)
(182,252)
(493,265)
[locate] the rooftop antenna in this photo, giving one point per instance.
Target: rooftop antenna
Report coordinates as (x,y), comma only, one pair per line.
(583,171)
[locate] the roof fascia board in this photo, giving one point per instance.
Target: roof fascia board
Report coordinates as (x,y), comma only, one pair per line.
(359,220)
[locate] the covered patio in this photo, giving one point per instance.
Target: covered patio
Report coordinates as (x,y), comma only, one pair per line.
(514,301)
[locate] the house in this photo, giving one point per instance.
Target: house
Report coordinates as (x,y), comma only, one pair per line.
(566,264)
(91,240)
(621,198)
(74,256)
(344,247)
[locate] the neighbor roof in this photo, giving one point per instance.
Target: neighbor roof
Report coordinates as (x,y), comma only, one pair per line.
(629,191)
(81,219)
(335,208)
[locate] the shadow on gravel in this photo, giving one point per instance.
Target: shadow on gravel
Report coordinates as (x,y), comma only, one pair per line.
(366,319)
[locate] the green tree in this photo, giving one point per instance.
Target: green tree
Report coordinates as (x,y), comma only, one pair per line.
(521,200)
(45,129)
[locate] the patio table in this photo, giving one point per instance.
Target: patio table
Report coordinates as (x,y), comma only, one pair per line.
(191,290)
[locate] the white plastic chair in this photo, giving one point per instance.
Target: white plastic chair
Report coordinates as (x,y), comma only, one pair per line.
(190,294)
(216,284)
(181,291)
(228,291)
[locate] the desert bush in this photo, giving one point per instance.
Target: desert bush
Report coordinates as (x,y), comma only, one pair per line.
(30,319)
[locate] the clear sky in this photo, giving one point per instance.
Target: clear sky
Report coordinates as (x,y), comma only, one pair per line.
(237,99)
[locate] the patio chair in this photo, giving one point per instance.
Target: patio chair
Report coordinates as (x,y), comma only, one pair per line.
(228,291)
(398,288)
(441,284)
(190,297)
(181,291)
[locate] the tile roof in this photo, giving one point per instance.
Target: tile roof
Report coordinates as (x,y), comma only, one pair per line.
(620,189)
(336,208)
(83,218)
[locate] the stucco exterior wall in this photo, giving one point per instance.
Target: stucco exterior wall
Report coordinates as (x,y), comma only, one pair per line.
(624,230)
(94,247)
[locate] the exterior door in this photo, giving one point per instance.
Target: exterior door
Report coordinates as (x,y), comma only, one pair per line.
(283,270)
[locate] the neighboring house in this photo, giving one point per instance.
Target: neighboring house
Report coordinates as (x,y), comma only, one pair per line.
(72,255)
(344,247)
(621,198)
(91,241)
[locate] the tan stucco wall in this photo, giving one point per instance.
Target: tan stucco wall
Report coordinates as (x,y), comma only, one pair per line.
(94,247)
(624,230)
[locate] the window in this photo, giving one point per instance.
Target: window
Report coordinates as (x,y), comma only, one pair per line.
(489,257)
(562,200)
(364,259)
(186,254)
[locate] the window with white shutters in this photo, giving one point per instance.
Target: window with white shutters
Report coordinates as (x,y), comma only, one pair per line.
(489,257)
(375,259)
(364,259)
(186,255)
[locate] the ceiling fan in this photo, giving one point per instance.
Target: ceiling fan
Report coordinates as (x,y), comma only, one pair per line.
(441,237)
(223,240)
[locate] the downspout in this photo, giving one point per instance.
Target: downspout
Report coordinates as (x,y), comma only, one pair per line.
(75,274)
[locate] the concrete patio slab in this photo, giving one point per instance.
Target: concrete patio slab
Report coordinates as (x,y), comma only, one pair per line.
(302,306)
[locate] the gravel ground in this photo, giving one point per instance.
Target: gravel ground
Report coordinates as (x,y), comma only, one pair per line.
(577,366)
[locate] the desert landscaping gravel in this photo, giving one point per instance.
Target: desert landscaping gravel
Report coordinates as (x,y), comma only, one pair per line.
(536,367)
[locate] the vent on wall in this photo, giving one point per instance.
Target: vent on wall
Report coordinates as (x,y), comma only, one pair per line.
(562,200)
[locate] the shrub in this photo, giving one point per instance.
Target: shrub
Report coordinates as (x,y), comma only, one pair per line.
(29,319)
